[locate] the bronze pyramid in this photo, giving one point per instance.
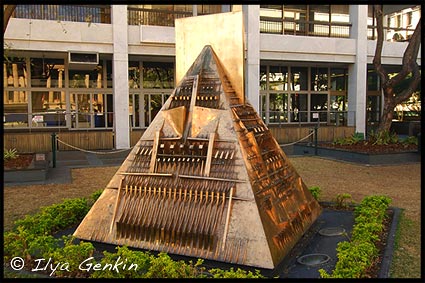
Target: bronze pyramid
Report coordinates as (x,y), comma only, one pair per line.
(206,179)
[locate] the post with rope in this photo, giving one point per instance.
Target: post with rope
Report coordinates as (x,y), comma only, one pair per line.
(54,150)
(316,128)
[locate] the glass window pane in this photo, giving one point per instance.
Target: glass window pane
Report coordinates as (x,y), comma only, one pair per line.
(47,72)
(158,75)
(319,104)
(86,78)
(133,74)
(372,81)
(278,78)
(298,107)
(15,73)
(263,77)
(299,78)
(340,13)
(156,104)
(15,109)
(339,78)
(319,79)
(278,107)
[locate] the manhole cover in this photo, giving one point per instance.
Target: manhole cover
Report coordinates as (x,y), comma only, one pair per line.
(332,231)
(313,259)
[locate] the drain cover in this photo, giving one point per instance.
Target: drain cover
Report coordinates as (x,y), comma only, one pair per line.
(313,259)
(332,231)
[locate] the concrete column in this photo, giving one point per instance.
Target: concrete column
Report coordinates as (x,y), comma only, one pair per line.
(120,76)
(252,55)
(357,72)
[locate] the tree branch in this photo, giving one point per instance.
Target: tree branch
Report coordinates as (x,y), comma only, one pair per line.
(409,57)
(379,44)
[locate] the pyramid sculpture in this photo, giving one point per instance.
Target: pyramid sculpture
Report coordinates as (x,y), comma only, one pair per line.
(207,180)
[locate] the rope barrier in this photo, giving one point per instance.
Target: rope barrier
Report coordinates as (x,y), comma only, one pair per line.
(292,143)
(90,151)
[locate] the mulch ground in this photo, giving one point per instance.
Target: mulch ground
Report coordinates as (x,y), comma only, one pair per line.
(368,147)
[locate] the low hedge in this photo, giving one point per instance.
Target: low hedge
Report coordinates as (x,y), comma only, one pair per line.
(357,256)
(31,239)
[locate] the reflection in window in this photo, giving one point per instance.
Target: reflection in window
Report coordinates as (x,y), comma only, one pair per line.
(278,78)
(278,107)
(339,79)
(319,104)
(263,77)
(47,109)
(47,73)
(86,78)
(133,74)
(319,79)
(158,75)
(299,78)
(298,107)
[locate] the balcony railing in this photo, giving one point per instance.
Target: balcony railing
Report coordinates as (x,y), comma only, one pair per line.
(305,28)
(73,13)
(153,17)
(390,33)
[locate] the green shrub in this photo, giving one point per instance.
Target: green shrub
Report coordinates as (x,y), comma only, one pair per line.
(231,273)
(32,240)
(315,192)
(341,200)
(410,140)
(383,138)
(353,139)
(356,256)
(10,154)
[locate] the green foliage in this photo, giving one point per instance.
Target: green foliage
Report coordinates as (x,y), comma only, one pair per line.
(163,266)
(357,256)
(353,139)
(10,154)
(231,273)
(341,200)
(142,259)
(410,140)
(32,239)
(55,217)
(383,138)
(72,255)
(315,192)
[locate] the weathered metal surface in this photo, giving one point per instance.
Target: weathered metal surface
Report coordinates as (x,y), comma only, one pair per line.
(206,179)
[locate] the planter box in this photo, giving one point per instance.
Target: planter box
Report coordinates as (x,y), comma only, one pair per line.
(364,158)
(36,171)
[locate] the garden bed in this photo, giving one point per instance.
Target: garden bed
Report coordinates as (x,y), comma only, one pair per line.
(26,167)
(383,155)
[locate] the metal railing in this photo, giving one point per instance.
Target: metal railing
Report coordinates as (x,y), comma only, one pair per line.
(73,13)
(304,28)
(154,17)
(337,118)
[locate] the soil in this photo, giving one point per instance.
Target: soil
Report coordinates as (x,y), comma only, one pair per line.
(22,161)
(366,147)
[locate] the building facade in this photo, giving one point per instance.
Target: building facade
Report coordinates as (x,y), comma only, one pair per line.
(98,75)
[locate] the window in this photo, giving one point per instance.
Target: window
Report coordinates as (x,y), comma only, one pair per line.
(47,73)
(294,94)
(319,79)
(158,75)
(278,78)
(299,78)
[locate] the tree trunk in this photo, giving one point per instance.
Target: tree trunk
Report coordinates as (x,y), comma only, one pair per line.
(409,66)
(387,115)
(7,13)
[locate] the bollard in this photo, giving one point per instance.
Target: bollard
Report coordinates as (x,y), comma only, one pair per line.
(54,150)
